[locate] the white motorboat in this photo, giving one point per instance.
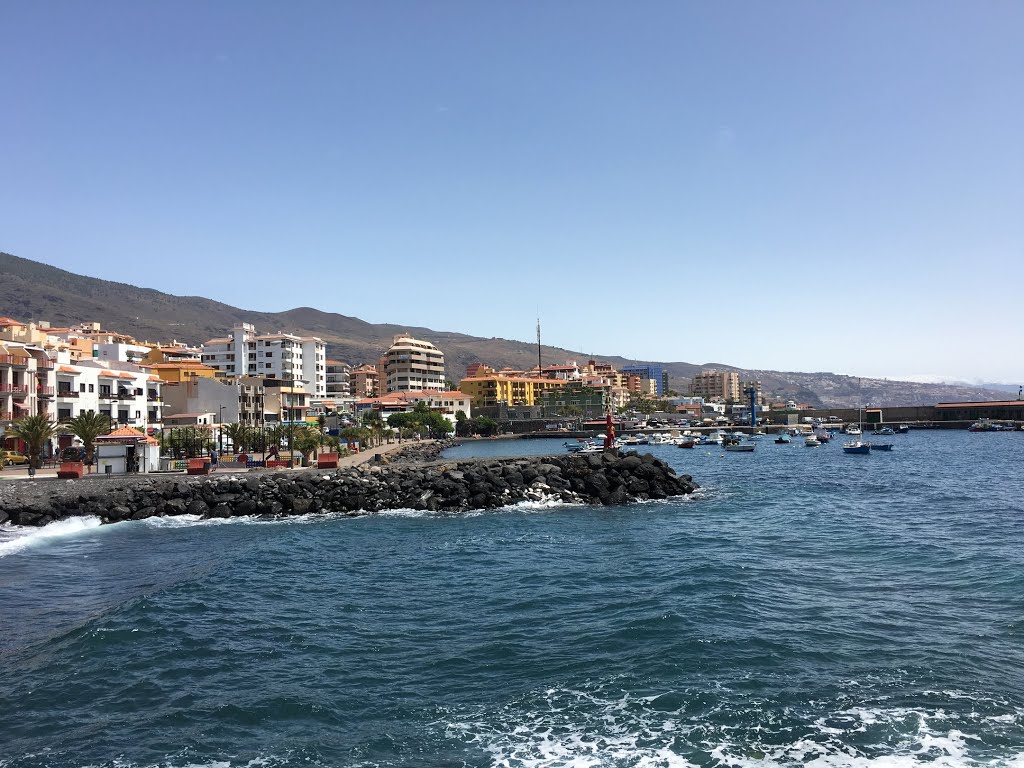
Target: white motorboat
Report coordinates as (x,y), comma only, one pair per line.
(811,441)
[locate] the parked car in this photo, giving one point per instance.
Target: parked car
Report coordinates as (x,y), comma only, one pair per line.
(73,453)
(7,458)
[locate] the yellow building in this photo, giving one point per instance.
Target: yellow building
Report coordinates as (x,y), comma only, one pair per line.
(175,373)
(172,353)
(493,389)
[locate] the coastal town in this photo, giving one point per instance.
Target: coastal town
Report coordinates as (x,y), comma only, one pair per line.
(155,405)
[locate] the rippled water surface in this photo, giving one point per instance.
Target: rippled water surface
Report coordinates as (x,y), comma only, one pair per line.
(805,607)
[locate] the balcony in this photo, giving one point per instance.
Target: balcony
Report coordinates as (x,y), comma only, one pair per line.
(44,391)
(17,389)
(107,396)
(6,416)
(154,399)
(67,393)
(44,364)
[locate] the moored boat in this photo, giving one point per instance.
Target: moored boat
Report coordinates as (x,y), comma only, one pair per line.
(739,447)
(811,441)
(783,438)
(857,447)
(880,446)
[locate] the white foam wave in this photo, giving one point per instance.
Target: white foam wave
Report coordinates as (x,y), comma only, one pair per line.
(590,729)
(17,538)
(192,521)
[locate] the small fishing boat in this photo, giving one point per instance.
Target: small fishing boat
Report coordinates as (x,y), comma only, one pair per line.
(880,446)
(783,438)
(884,431)
(739,447)
(687,443)
(811,441)
(853,429)
(903,429)
(857,447)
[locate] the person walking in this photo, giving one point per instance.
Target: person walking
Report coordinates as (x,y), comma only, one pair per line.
(214,459)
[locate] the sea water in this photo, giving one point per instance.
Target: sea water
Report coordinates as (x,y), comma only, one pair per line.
(805,607)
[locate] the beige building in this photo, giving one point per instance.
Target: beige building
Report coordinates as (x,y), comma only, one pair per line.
(364,381)
(414,365)
(721,385)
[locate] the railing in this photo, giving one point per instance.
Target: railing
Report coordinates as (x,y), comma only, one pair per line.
(17,362)
(6,416)
(107,396)
(16,388)
(6,360)
(44,391)
(67,393)
(154,399)
(43,364)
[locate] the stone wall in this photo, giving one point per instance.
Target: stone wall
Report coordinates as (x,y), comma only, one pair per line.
(440,485)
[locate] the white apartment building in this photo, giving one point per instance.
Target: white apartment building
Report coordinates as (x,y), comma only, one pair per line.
(338,384)
(128,394)
(121,352)
(26,381)
(414,365)
(271,356)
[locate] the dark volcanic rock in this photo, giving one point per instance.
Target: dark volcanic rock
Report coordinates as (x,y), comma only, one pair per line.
(408,481)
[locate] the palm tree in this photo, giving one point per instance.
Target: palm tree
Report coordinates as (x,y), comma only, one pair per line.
(306,441)
(87,426)
(240,435)
(35,431)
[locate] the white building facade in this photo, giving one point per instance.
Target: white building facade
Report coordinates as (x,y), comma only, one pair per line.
(271,356)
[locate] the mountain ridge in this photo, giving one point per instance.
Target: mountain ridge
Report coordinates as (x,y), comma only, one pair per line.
(32,290)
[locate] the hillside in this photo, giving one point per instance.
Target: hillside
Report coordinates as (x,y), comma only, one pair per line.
(30,290)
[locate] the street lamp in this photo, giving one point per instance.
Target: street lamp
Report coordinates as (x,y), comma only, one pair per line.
(220,430)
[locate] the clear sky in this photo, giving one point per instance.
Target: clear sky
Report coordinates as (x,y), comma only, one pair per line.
(789,185)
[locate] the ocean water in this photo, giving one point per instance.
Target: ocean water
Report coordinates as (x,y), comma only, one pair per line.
(804,608)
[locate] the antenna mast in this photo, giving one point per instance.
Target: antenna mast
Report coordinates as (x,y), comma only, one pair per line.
(540,365)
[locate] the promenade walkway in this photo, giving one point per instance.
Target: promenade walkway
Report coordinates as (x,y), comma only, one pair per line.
(352,460)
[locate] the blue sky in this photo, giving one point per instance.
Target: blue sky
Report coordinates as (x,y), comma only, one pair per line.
(794,185)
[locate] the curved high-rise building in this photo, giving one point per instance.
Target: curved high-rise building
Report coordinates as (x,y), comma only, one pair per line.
(414,365)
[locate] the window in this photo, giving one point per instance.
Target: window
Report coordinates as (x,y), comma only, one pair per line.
(91,387)
(138,414)
(63,414)
(81,387)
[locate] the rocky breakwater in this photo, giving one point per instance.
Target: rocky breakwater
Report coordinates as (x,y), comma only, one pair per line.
(606,478)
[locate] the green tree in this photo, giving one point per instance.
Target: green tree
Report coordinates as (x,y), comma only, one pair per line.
(306,440)
(87,426)
(35,431)
(240,435)
(436,425)
(483,425)
(402,420)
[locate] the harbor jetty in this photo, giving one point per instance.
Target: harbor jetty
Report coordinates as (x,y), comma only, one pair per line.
(414,479)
